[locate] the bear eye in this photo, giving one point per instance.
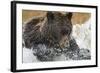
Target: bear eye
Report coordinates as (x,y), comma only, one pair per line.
(66,31)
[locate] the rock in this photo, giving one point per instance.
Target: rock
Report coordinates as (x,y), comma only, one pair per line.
(82,54)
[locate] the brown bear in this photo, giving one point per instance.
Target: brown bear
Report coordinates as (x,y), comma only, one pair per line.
(54,31)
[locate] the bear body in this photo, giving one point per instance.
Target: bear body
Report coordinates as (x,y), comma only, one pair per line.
(50,36)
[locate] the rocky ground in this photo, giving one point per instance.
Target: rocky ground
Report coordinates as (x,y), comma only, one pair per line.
(51,55)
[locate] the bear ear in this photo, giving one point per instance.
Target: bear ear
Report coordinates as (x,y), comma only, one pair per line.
(50,15)
(69,15)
